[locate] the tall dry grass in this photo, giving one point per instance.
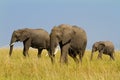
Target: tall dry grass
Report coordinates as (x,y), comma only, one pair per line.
(31,68)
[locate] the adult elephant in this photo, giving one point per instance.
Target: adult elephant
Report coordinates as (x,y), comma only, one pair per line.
(35,38)
(104,47)
(72,41)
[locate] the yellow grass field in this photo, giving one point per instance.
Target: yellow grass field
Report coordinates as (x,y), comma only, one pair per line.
(31,68)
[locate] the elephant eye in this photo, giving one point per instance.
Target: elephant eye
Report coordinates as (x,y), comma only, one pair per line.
(57,36)
(96,48)
(16,36)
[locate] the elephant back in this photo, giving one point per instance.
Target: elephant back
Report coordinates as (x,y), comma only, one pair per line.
(80,32)
(109,44)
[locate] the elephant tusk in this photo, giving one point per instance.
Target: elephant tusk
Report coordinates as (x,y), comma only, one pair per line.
(56,49)
(12,44)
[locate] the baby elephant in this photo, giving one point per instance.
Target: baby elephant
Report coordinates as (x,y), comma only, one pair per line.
(105,47)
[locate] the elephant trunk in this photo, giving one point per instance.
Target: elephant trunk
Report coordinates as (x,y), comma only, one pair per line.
(91,54)
(53,45)
(11,49)
(52,53)
(11,46)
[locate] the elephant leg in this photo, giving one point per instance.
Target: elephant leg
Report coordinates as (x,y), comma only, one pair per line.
(91,56)
(26,48)
(63,57)
(52,56)
(112,57)
(100,55)
(80,57)
(25,51)
(64,52)
(81,54)
(73,55)
(39,52)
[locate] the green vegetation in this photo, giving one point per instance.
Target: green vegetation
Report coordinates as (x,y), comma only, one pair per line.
(31,68)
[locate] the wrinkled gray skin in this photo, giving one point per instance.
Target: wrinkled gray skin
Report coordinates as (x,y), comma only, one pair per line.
(104,47)
(72,41)
(35,38)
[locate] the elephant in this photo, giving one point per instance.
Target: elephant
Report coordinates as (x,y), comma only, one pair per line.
(71,39)
(104,47)
(35,38)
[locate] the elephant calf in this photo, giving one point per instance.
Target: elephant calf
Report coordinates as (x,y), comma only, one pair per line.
(35,38)
(105,47)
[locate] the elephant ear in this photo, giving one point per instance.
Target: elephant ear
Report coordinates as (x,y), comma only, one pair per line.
(24,35)
(101,46)
(67,36)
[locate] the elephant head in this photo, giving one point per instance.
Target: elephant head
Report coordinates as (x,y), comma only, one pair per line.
(54,39)
(19,35)
(97,46)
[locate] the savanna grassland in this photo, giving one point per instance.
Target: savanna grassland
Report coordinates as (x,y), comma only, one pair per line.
(31,68)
